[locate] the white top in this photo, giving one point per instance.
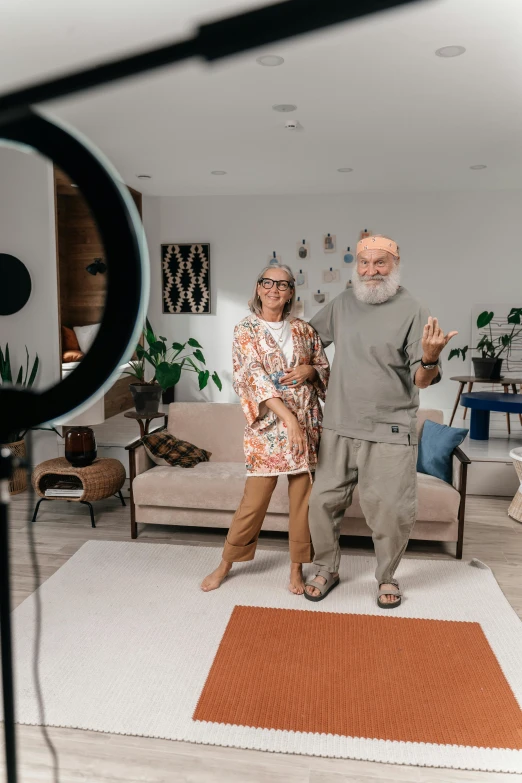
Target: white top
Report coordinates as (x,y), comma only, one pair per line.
(282,334)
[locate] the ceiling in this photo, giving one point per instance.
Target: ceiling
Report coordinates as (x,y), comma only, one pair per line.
(371,95)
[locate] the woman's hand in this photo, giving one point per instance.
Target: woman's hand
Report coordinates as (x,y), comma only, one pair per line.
(296,438)
(299,375)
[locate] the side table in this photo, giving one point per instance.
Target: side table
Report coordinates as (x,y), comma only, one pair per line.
(105,477)
(507,383)
(482,403)
(145,417)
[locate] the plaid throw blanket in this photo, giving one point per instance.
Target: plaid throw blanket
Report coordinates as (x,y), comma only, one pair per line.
(174,451)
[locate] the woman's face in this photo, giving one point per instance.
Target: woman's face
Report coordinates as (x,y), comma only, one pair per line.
(273,299)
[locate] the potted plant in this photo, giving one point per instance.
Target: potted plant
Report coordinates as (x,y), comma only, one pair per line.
(14,441)
(488,366)
(167,362)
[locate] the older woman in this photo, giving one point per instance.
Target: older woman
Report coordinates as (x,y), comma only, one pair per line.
(280,372)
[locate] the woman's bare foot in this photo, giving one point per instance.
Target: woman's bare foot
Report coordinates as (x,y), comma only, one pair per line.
(296,585)
(213,580)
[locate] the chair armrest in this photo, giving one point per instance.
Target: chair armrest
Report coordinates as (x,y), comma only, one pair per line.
(460,467)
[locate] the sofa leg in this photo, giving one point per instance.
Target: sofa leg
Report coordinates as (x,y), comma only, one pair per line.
(460,547)
(134,529)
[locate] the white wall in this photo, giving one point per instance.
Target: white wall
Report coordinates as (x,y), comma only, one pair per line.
(450,243)
(27,231)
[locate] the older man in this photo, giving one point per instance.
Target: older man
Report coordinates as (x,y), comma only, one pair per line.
(387,346)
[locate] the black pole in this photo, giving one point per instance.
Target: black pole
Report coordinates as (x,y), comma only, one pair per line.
(212,41)
(5,619)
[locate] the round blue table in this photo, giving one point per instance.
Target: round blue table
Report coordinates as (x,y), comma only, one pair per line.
(482,403)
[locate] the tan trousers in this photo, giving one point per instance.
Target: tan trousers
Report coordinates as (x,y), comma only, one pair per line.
(387,477)
(244,531)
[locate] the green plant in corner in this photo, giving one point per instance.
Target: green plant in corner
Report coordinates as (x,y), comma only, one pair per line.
(168,362)
(24,378)
(493,347)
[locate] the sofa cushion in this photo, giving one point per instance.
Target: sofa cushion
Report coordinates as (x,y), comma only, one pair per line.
(164,449)
(220,485)
(213,485)
(436,447)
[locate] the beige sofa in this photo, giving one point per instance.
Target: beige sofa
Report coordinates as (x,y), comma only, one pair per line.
(208,494)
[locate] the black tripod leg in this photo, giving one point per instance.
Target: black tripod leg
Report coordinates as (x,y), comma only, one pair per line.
(36,509)
(121,497)
(86,503)
(5,634)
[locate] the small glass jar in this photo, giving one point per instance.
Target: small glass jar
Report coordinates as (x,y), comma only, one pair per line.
(80,446)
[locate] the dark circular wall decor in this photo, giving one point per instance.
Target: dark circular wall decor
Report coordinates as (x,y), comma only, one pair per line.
(15,288)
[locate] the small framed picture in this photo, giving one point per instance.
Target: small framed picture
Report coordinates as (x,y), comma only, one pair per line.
(329,243)
(301,280)
(348,257)
(331,276)
(321,297)
(349,284)
(299,308)
(274,259)
(303,250)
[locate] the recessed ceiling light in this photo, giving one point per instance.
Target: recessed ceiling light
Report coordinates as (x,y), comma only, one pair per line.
(73,185)
(143,176)
(284,107)
(269,59)
(450,51)
(344,171)
(218,173)
(478,167)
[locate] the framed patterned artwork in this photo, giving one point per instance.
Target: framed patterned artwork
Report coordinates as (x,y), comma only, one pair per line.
(185,277)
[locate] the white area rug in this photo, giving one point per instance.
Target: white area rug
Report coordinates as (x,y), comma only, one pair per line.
(128,641)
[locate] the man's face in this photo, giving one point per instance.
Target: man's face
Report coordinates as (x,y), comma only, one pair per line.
(377,278)
(373,265)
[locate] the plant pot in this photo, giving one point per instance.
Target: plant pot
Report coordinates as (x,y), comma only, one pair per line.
(168,396)
(487,369)
(146,397)
(18,481)
(80,447)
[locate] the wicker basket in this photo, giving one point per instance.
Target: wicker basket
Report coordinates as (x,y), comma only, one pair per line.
(515,509)
(18,482)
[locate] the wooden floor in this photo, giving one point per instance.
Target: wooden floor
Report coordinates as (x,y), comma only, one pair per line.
(88,757)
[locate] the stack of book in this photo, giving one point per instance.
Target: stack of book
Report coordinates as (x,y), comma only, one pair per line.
(65,488)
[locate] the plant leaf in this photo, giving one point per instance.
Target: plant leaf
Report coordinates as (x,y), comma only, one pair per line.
(484,319)
(178,346)
(26,366)
(454,352)
(20,376)
(199,356)
(514,317)
(34,371)
(203,378)
(168,374)
(464,352)
(8,376)
(194,343)
(217,380)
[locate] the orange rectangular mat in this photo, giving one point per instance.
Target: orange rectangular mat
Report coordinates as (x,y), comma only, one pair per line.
(355,675)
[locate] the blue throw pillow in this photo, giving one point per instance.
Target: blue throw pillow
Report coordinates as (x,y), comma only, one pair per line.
(436,447)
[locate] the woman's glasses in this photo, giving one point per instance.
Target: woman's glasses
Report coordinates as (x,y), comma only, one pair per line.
(282,285)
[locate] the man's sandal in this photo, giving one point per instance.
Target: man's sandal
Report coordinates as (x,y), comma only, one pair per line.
(389,591)
(331,582)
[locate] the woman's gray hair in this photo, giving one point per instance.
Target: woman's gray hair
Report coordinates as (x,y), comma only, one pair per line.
(255,303)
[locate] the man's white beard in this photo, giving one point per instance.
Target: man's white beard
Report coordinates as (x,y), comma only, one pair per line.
(377,292)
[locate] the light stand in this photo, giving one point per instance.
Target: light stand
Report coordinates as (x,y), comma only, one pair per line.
(6,470)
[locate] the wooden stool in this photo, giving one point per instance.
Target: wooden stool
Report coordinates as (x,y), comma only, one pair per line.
(105,477)
(471,379)
(145,417)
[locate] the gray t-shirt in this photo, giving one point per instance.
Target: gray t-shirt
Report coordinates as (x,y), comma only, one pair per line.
(378,349)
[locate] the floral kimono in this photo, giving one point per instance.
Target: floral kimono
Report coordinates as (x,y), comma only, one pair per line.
(258,365)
